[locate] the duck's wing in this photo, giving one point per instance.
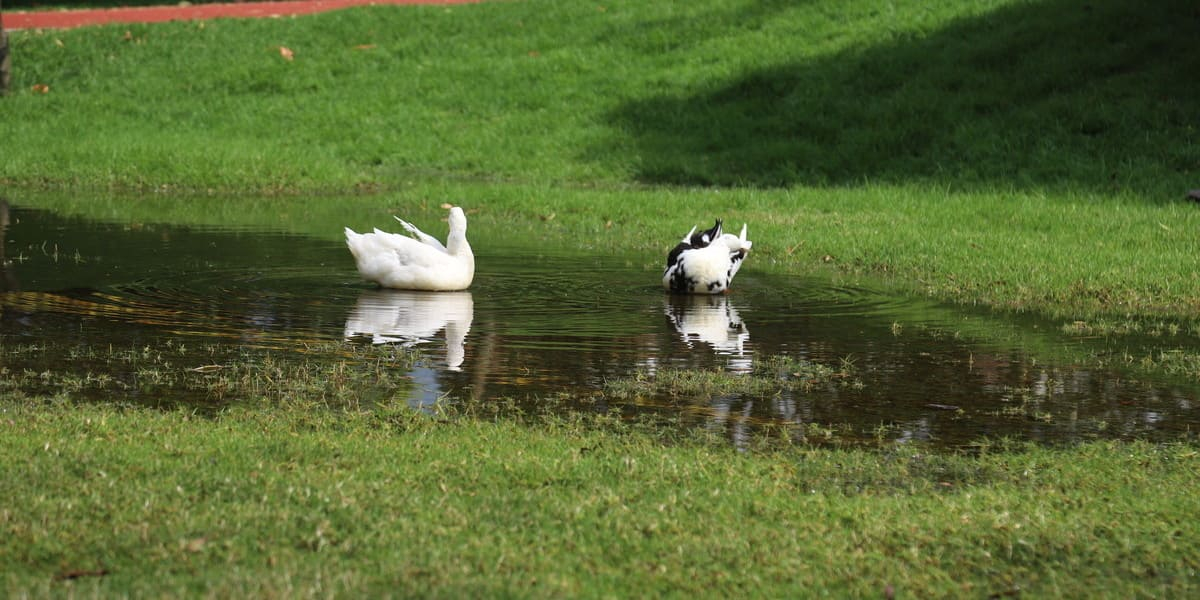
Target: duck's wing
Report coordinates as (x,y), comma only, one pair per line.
(380,253)
(401,262)
(410,252)
(425,238)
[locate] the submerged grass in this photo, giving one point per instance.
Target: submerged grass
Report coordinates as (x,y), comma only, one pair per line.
(312,502)
(769,377)
(329,374)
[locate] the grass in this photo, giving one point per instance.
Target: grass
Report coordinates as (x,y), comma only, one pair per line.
(312,502)
(1006,94)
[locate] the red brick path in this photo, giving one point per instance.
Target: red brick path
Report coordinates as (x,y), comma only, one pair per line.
(62,19)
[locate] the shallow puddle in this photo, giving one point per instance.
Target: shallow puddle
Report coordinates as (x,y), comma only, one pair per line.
(539,325)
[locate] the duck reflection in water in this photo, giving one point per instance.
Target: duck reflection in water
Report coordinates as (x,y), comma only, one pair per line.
(712,320)
(409,318)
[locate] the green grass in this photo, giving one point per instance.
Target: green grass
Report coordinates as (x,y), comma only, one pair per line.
(310,502)
(1007,94)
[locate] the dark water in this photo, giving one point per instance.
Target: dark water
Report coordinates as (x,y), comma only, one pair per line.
(536,324)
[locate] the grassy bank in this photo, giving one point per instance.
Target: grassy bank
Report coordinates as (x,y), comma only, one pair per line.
(314,502)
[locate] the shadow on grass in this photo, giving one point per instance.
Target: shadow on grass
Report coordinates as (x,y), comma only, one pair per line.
(1058,94)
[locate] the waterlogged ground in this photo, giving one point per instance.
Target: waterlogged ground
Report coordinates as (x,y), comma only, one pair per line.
(159,314)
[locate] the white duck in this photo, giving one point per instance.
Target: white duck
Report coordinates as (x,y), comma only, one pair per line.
(705,262)
(415,263)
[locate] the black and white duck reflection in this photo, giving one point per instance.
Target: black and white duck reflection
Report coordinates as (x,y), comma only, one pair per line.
(419,262)
(713,321)
(409,318)
(705,262)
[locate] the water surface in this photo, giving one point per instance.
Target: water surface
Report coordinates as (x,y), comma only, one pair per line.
(540,323)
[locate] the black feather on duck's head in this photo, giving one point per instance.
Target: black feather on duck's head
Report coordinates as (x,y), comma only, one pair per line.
(706,237)
(694,241)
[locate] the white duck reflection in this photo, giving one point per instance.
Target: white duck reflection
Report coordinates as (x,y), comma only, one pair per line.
(712,320)
(411,317)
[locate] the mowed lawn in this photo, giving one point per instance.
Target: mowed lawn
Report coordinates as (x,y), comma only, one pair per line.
(300,501)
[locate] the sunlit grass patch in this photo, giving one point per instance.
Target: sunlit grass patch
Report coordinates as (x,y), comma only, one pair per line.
(1003,94)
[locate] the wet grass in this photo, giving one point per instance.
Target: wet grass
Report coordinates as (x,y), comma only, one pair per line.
(1174,362)
(1137,327)
(309,501)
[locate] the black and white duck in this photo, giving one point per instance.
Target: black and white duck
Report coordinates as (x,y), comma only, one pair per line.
(705,262)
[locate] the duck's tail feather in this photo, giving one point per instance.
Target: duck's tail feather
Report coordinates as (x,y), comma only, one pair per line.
(745,242)
(353,241)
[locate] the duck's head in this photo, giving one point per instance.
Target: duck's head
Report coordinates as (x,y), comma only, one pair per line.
(458,219)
